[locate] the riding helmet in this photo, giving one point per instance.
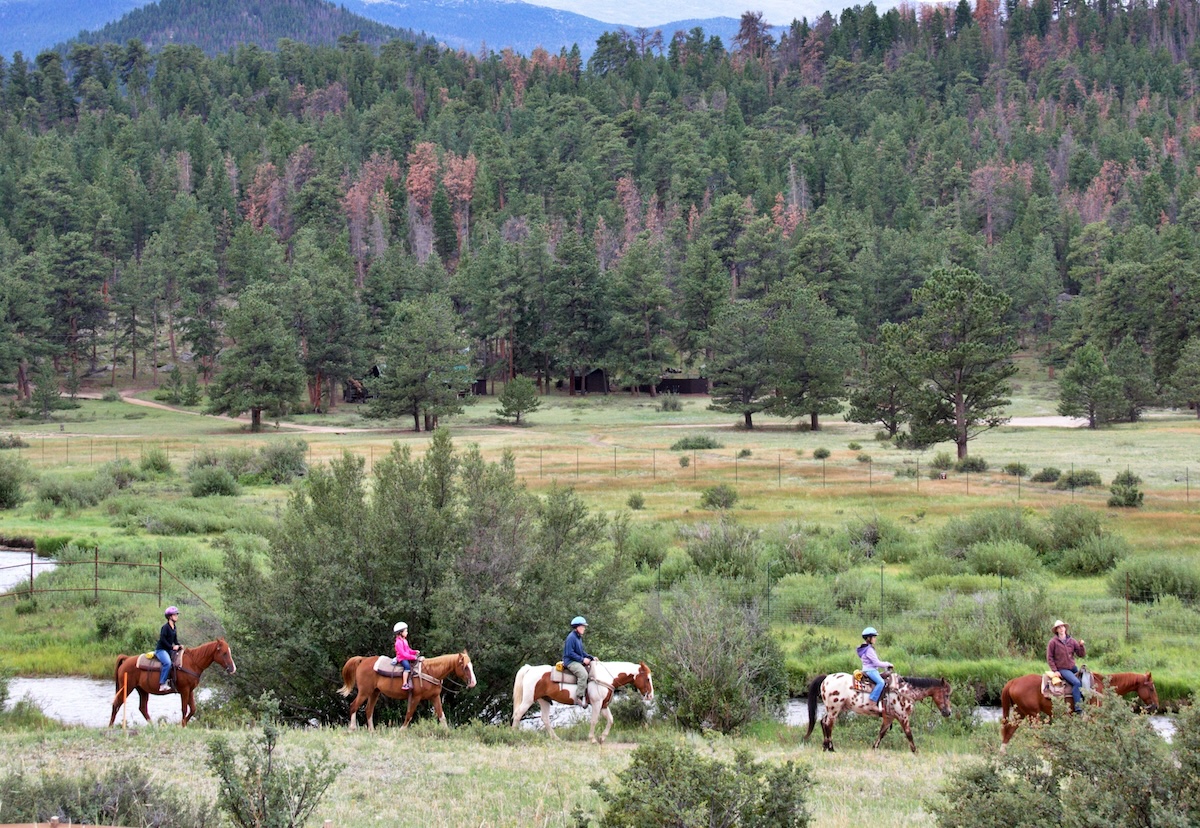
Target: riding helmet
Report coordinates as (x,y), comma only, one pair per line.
(577,620)
(869,631)
(400,627)
(171,610)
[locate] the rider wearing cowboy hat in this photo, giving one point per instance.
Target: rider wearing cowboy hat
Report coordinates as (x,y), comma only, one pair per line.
(168,642)
(576,659)
(1060,655)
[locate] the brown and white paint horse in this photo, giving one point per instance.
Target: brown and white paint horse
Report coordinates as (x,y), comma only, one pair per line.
(534,684)
(1022,698)
(839,695)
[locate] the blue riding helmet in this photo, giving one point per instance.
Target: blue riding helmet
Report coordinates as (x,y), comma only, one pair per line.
(577,620)
(869,631)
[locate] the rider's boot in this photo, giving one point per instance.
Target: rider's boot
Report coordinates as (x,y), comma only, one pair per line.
(407,684)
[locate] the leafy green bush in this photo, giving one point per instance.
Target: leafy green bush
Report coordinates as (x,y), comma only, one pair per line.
(1152,577)
(1047,475)
(696,443)
(636,501)
(863,458)
(942,461)
(1016,469)
(209,480)
(124,795)
(821,454)
(1008,558)
(1079,479)
(684,461)
(854,446)
(961,533)
(1072,525)
(670,401)
(14,472)
(971,465)
(78,492)
(110,396)
(1094,556)
(721,496)
(156,461)
(880,537)
(1125,491)
(283,461)
(121,472)
(1026,614)
(744,453)
(724,548)
(668,784)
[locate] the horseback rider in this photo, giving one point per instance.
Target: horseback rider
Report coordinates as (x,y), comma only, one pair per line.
(405,654)
(871,663)
(576,659)
(168,642)
(1060,655)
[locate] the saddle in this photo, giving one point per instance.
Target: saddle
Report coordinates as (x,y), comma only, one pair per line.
(1053,686)
(862,684)
(559,675)
(384,667)
(149,661)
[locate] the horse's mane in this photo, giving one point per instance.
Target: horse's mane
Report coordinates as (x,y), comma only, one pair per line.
(442,660)
(921,682)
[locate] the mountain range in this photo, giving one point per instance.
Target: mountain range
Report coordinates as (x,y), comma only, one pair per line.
(30,26)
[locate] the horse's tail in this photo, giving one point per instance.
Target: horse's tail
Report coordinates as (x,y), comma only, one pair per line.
(117,671)
(519,692)
(349,669)
(814,690)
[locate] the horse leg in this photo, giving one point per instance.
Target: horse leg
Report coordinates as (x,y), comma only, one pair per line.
(185,702)
(410,707)
(594,718)
(437,708)
(608,716)
(519,709)
(371,702)
(546,726)
(354,705)
(908,733)
(827,730)
(884,726)
(144,703)
(118,700)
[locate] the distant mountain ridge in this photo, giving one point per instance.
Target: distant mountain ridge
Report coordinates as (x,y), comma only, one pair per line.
(30,26)
(218,25)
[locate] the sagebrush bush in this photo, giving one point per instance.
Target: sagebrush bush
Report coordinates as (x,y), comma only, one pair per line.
(961,533)
(209,480)
(1079,479)
(854,446)
(283,461)
(75,492)
(1094,556)
(724,548)
(696,443)
(1025,613)
(684,461)
(110,396)
(1008,558)
(1072,525)
(721,496)
(744,453)
(121,473)
(1016,469)
(1152,577)
(156,461)
(863,458)
(972,465)
(636,501)
(669,784)
(14,473)
(1049,474)
(907,472)
(821,454)
(942,461)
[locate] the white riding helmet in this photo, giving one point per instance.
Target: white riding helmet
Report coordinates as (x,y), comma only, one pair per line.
(400,627)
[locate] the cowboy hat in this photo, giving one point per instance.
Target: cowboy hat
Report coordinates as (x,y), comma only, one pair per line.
(1060,623)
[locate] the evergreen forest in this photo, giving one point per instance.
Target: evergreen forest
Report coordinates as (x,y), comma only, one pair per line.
(866,214)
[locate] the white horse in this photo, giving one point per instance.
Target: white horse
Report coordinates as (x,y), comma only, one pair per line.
(534,684)
(839,695)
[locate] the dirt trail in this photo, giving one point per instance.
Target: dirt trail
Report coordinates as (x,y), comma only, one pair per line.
(127,396)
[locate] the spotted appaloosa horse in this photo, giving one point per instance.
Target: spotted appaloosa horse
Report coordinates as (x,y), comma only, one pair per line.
(839,695)
(534,684)
(1022,697)
(195,660)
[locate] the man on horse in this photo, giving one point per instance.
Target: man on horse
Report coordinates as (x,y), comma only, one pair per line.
(1060,655)
(164,650)
(576,659)
(871,664)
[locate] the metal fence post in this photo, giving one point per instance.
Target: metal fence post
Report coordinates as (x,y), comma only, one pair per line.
(96,578)
(160,576)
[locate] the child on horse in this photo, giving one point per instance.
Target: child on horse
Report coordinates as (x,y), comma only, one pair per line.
(576,659)
(168,643)
(871,663)
(1060,655)
(405,654)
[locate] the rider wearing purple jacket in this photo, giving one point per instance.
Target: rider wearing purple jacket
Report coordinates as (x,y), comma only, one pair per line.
(871,662)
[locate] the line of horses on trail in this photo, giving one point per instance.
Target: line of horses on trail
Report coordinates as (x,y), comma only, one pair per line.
(1021,697)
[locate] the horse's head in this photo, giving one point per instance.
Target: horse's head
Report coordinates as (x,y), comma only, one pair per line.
(1147,693)
(224,656)
(643,682)
(464,670)
(941,696)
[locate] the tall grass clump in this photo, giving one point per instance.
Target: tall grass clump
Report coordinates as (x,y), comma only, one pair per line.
(1149,578)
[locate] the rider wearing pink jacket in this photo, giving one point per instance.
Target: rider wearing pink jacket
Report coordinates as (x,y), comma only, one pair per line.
(405,654)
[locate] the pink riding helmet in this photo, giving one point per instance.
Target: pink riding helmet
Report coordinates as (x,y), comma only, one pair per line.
(171,610)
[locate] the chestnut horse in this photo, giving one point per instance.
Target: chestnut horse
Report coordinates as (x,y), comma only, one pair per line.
(195,660)
(427,685)
(1022,697)
(839,695)
(534,684)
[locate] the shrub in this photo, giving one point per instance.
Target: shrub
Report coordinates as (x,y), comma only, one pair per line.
(971,465)
(744,453)
(1016,469)
(1079,479)
(264,790)
(684,461)
(1026,614)
(1071,526)
(112,623)
(283,461)
(989,525)
(13,474)
(863,458)
(207,481)
(121,796)
(907,472)
(724,548)
(1011,559)
(73,492)
(854,446)
(1125,491)
(12,441)
(696,443)
(670,401)
(821,454)
(668,784)
(1047,475)
(883,437)
(48,546)
(1150,578)
(121,472)
(1094,556)
(721,496)
(717,664)
(110,396)
(636,501)
(156,461)
(879,537)
(942,461)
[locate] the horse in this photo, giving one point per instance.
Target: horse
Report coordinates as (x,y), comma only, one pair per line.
(427,685)
(1022,698)
(839,696)
(534,684)
(193,662)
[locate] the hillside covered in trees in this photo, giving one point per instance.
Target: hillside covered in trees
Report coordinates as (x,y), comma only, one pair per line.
(782,215)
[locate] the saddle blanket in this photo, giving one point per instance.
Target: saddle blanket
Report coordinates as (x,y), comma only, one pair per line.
(384,667)
(148,661)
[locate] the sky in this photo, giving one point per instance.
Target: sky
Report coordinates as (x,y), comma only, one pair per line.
(649,13)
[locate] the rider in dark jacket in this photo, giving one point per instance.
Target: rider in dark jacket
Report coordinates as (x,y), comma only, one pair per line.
(576,659)
(168,643)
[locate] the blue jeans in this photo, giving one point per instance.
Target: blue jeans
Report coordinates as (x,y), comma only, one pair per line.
(1076,693)
(404,663)
(165,670)
(874,676)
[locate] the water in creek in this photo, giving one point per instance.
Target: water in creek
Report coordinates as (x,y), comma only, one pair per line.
(83,701)
(14,567)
